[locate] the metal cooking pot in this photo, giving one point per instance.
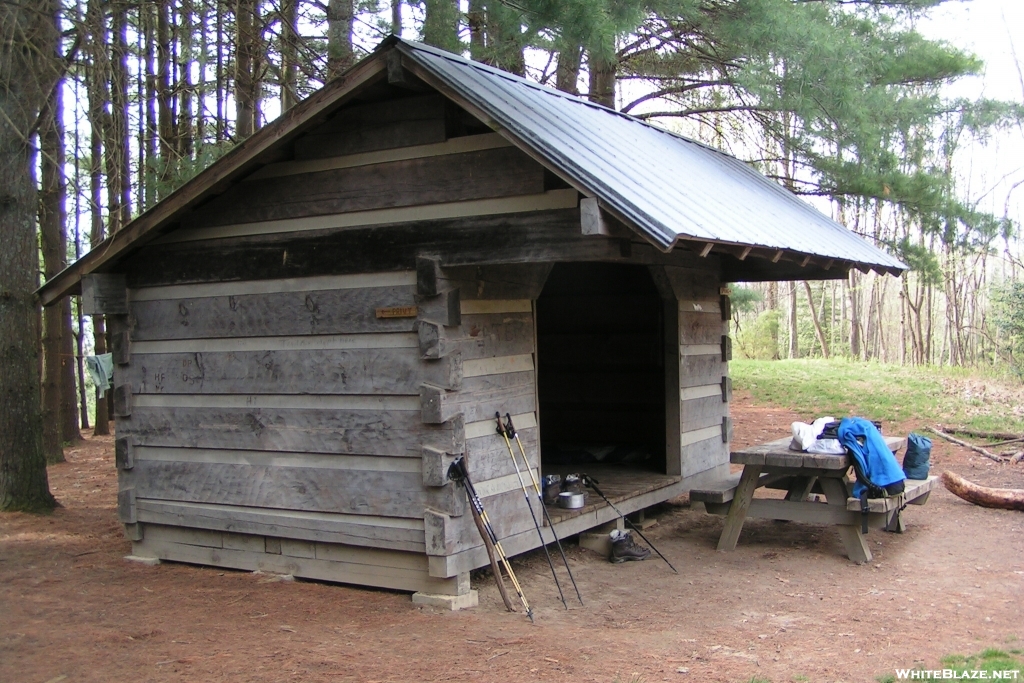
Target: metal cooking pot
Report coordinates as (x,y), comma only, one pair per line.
(571,501)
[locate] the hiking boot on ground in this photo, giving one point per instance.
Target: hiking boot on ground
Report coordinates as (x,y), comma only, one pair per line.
(625,549)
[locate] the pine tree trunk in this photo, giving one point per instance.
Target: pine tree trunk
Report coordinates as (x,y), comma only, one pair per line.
(602,79)
(340,15)
(165,118)
(245,100)
(184,133)
(120,179)
(97,75)
(201,83)
(221,123)
(28,42)
(52,219)
(396,17)
(152,137)
(476,19)
(289,54)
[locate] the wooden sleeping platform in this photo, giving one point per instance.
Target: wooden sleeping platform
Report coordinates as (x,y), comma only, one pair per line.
(617,482)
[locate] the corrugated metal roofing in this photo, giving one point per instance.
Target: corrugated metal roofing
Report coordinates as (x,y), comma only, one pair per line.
(667,186)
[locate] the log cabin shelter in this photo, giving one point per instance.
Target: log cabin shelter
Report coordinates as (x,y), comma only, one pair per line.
(310,331)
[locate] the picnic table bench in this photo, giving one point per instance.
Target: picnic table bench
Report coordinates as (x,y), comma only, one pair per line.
(802,475)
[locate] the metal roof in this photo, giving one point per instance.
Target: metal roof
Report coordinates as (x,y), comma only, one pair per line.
(666,186)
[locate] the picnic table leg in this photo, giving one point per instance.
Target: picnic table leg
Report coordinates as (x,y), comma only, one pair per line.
(836,494)
(740,504)
(894,521)
(800,488)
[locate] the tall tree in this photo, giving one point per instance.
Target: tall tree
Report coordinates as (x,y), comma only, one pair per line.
(340,55)
(289,54)
(441,24)
(28,71)
(245,61)
(97,79)
(52,220)
(567,74)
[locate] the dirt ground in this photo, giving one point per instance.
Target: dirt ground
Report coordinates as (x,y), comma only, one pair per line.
(785,606)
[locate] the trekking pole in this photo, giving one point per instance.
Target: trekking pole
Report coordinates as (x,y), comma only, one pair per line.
(492,558)
(533,515)
(459,472)
(592,483)
(510,431)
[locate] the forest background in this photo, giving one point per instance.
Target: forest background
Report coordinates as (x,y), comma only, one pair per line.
(106,106)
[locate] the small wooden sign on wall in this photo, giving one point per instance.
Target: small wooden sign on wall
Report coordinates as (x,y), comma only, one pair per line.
(397,312)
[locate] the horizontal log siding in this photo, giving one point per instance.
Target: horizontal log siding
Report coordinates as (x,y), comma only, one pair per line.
(502,172)
(496,338)
(701,370)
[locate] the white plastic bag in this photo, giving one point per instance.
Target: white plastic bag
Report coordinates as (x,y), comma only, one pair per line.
(805,438)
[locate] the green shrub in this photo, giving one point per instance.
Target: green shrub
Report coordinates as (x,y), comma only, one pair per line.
(759,340)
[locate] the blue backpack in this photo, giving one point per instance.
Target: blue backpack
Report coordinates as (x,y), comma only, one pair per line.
(878,473)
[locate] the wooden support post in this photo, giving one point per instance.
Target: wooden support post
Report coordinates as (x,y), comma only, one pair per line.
(740,504)
(726,348)
(726,389)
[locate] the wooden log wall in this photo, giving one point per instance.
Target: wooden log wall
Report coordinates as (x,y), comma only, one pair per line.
(298,370)
(700,430)
(495,337)
(309,410)
(286,432)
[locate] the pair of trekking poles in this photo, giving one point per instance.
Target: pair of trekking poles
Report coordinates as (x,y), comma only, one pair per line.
(495,552)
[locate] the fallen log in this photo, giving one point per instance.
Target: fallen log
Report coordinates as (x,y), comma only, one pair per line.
(978,434)
(958,442)
(1004,499)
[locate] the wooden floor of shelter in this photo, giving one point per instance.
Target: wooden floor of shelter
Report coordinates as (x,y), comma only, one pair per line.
(619,483)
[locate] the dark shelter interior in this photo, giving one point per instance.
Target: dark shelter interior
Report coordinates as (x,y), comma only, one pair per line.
(601,373)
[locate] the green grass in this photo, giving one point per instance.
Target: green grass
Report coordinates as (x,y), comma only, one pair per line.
(890,393)
(989,660)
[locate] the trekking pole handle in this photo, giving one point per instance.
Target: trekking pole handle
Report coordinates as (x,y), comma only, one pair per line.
(509,427)
(501,427)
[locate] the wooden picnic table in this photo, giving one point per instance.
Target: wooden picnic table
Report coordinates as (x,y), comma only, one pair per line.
(800,474)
